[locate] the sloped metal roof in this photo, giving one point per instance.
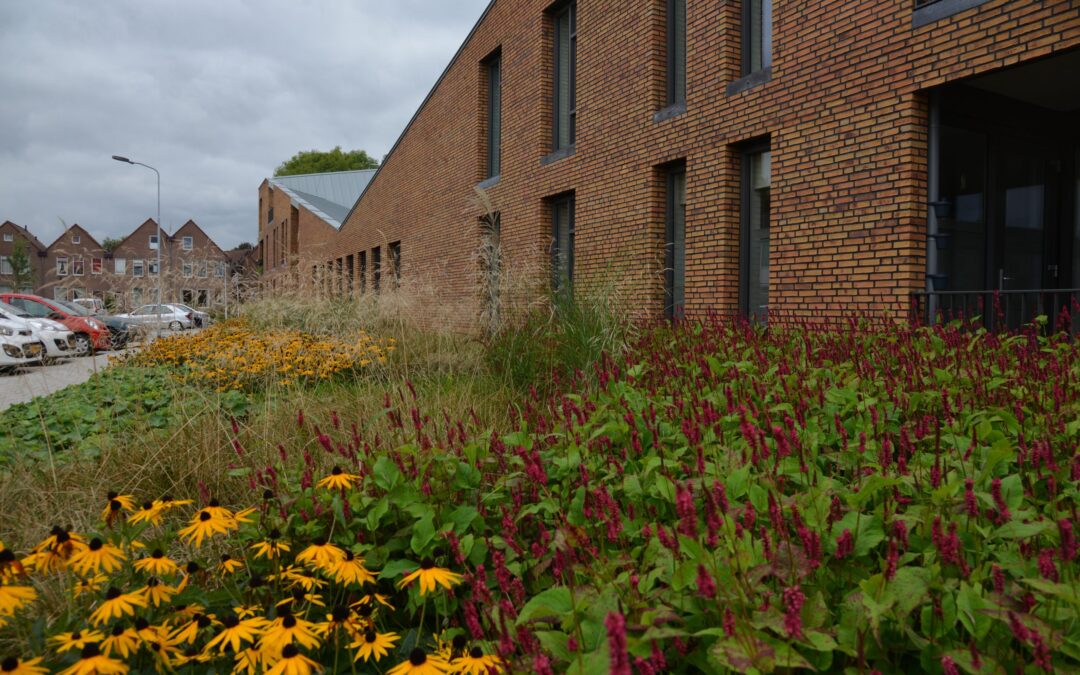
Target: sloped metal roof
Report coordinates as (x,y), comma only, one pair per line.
(328,195)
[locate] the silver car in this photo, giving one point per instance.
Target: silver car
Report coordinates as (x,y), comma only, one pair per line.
(158,316)
(58,340)
(200,319)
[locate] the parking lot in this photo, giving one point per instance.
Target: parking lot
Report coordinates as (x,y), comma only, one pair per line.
(22,384)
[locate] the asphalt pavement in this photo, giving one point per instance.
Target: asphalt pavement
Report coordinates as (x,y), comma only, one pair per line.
(23,384)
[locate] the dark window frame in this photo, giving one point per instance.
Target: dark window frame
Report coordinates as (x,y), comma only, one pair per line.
(746,151)
(361,265)
(748,33)
(566,199)
(569,10)
(395,261)
(671,173)
(376,269)
(493,72)
(674,63)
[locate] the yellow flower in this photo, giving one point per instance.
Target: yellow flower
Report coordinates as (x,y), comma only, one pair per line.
(321,554)
(13,666)
(372,645)
(271,547)
(89,585)
(75,640)
(187,632)
(123,641)
(338,480)
(92,662)
(156,592)
(236,633)
(351,570)
(373,599)
(157,564)
(296,576)
(97,557)
(420,663)
(14,598)
(299,595)
(229,565)
(430,576)
(117,604)
(292,662)
(52,554)
(476,662)
(286,629)
(149,513)
(10,567)
(205,524)
(115,504)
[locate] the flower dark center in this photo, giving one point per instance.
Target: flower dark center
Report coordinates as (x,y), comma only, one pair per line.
(349,556)
(118,630)
(230,621)
(115,505)
(141,624)
(427,563)
(370,636)
(7,555)
(76,636)
(289,621)
(340,613)
(62,537)
(147,506)
(157,554)
(319,542)
(192,567)
(113,593)
(476,652)
(152,582)
(225,557)
(336,471)
(256,581)
(203,621)
(298,594)
(90,651)
(459,642)
(204,516)
(290,651)
(417,657)
(96,544)
(275,533)
(9,664)
(364,610)
(268,494)
(113,494)
(214,503)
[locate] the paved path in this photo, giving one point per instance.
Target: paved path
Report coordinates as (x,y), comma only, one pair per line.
(26,383)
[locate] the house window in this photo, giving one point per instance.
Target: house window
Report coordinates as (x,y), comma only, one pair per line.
(95,265)
(362,270)
(153,242)
(676,52)
(395,262)
(138,267)
(220,270)
(350,274)
(756,211)
(61,267)
(376,263)
(203,297)
(60,294)
(152,267)
(562,241)
(5,265)
(202,269)
(76,239)
(136,294)
(675,244)
(77,266)
(565,77)
(120,266)
(188,243)
(187,296)
(270,215)
(8,236)
(188,270)
(757,36)
(494,134)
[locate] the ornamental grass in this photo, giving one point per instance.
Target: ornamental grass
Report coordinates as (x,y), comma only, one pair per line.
(717,498)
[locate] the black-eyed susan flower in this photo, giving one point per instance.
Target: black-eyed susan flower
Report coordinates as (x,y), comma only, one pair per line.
(117,605)
(122,641)
(371,600)
(292,662)
(338,480)
(300,595)
(287,629)
(476,662)
(10,567)
(247,611)
(340,619)
(321,554)
(98,556)
(75,640)
(89,585)
(157,564)
(295,576)
(351,570)
(14,598)
(420,663)
(191,656)
(187,632)
(164,651)
(272,547)
(93,662)
(430,576)
(229,565)
(149,512)
(251,660)
(244,516)
(373,645)
(147,631)
(157,593)
(115,505)
(205,524)
(15,666)
(236,633)
(52,554)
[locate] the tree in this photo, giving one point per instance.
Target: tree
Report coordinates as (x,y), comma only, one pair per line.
(21,272)
(111,243)
(316,161)
(244,246)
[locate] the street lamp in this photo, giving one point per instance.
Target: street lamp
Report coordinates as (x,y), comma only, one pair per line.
(118,158)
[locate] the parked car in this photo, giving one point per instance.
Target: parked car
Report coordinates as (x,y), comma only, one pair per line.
(58,340)
(159,316)
(95,305)
(90,333)
(200,319)
(119,329)
(18,346)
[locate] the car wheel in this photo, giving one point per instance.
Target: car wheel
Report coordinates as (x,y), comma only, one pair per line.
(83,344)
(176,325)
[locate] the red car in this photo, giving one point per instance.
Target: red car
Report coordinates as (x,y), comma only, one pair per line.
(90,333)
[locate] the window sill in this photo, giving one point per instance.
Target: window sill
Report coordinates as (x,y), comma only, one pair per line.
(941,9)
(488,183)
(562,153)
(670,112)
(748,82)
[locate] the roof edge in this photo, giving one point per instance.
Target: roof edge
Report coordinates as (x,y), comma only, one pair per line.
(322,215)
(420,109)
(321,173)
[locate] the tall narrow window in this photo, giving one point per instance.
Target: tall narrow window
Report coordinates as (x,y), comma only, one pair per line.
(565,23)
(562,241)
(376,264)
(350,274)
(395,262)
(676,52)
(675,245)
(757,182)
(362,270)
(494,135)
(757,35)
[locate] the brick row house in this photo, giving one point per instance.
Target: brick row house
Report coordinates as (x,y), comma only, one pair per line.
(769,158)
(22,259)
(194,269)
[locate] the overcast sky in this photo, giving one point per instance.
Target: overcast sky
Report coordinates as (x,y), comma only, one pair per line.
(213,93)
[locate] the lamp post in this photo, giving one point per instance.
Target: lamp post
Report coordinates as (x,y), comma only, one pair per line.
(160,297)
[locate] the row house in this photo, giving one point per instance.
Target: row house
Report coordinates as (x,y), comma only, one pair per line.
(22,259)
(763,158)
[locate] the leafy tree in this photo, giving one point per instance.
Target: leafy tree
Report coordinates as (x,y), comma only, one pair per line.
(111,243)
(244,246)
(316,161)
(21,272)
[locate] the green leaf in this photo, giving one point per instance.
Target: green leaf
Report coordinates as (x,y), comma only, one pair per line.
(969,609)
(1014,529)
(554,602)
(423,533)
(397,567)
(387,474)
(462,517)
(375,514)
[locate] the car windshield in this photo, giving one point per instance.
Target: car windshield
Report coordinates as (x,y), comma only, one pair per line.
(73,308)
(13,311)
(183,308)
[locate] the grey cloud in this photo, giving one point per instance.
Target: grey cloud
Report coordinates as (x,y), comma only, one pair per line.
(214,93)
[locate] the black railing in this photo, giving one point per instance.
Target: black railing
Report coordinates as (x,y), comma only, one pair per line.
(1001,310)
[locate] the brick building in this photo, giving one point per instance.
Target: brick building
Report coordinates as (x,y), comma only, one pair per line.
(18,244)
(762,157)
(74,266)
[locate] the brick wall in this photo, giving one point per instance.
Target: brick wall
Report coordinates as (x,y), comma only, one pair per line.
(293,239)
(32,246)
(845,112)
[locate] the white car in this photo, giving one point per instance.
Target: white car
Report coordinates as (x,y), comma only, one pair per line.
(158,316)
(18,346)
(58,340)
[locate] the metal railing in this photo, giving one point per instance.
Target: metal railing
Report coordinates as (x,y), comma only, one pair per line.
(1002,309)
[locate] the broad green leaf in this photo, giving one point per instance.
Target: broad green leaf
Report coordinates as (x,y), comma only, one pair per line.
(554,602)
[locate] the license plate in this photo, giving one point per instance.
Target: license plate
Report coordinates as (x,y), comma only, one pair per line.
(34,349)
